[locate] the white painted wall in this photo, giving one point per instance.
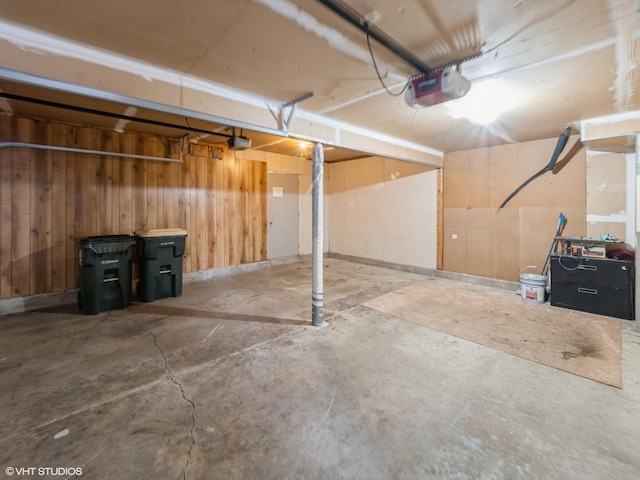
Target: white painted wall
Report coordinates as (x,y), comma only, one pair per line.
(374,207)
(631,162)
(303,167)
(384,210)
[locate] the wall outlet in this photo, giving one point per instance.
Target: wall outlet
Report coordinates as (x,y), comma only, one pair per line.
(454,236)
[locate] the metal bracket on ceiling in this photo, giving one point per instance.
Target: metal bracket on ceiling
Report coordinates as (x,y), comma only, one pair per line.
(216,153)
(286,122)
(171,143)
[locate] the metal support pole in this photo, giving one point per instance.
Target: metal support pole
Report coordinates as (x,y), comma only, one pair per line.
(37,146)
(637,230)
(317,284)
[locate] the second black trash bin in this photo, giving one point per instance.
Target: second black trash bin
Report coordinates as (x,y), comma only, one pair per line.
(160,253)
(105,273)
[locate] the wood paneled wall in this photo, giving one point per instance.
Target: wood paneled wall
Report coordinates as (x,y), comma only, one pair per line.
(49,200)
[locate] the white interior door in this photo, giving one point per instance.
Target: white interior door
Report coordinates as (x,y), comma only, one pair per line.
(282,213)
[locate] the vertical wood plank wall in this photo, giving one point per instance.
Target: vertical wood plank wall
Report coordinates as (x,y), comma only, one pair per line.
(49,200)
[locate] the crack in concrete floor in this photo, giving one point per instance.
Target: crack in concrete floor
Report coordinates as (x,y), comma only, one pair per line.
(172,378)
(374,396)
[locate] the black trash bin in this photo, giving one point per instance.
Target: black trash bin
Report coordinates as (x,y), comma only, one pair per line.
(105,273)
(160,253)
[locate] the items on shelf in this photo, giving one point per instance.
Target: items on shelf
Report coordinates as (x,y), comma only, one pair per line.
(603,246)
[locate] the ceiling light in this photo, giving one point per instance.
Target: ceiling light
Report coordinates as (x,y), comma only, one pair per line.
(485,102)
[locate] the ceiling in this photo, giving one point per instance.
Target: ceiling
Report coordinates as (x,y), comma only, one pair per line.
(564,61)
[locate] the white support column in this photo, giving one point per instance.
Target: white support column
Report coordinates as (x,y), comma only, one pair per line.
(317,282)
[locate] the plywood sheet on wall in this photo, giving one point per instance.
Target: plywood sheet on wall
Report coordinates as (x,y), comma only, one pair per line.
(505,253)
(606,184)
(50,200)
(504,164)
(468,240)
(607,194)
(455,252)
(456,179)
(479,251)
(499,243)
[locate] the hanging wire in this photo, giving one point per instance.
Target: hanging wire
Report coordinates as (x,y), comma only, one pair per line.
(375,66)
(455,63)
(186,119)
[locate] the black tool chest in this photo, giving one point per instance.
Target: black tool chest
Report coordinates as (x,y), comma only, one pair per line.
(597,285)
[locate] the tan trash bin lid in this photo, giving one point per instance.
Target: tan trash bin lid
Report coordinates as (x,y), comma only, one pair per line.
(161,232)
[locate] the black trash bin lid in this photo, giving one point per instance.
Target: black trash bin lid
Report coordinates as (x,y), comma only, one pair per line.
(106,239)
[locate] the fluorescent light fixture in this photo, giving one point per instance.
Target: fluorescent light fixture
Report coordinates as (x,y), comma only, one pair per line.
(485,102)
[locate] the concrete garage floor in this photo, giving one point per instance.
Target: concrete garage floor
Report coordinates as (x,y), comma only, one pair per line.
(229,381)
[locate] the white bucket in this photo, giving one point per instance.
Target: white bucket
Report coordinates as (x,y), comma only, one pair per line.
(532,287)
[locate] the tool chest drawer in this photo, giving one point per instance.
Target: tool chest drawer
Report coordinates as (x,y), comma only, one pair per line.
(587,298)
(591,271)
(603,286)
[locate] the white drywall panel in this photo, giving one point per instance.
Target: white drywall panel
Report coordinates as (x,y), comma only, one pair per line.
(384,210)
(410,220)
(363,222)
